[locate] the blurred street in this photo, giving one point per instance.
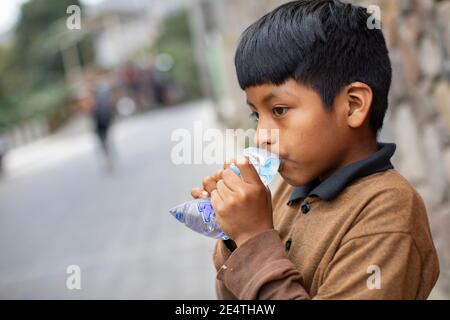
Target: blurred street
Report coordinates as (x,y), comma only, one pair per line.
(60,207)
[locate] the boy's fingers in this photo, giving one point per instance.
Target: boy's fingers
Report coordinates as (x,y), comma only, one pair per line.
(226,165)
(231,179)
(209,183)
(199,193)
(216,200)
(224,192)
(218,175)
(248,171)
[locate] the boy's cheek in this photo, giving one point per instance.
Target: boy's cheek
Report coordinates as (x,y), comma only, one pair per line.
(300,172)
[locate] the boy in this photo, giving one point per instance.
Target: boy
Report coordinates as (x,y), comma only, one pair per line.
(342,224)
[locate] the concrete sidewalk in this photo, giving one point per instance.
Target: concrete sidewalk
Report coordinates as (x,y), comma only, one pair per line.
(59,207)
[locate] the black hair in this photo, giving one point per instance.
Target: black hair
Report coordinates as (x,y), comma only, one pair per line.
(325,44)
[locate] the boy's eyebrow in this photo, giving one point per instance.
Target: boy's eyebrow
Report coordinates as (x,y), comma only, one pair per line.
(268,97)
(264,100)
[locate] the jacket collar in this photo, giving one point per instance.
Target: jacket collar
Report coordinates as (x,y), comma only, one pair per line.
(333,185)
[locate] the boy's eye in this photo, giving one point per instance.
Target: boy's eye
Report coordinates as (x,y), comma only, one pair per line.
(279,111)
(254,116)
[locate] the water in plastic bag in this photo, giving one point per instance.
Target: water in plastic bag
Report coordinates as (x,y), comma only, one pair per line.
(198,214)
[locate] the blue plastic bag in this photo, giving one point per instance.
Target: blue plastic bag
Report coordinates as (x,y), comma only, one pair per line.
(198,214)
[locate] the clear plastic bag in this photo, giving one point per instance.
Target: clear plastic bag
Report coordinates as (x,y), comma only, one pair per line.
(198,214)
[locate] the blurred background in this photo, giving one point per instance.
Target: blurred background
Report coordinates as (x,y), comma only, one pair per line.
(87,115)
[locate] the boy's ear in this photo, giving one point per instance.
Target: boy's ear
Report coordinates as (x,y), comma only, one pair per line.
(359,97)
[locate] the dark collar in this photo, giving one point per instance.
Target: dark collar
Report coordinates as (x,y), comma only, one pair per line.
(333,185)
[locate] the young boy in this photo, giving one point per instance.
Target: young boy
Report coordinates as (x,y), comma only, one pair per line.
(342,224)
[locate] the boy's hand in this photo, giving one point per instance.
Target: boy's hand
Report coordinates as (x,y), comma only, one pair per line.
(209,184)
(243,206)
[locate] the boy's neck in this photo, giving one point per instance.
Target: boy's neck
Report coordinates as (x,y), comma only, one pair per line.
(360,152)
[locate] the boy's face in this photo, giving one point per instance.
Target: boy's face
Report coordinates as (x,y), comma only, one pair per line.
(311,140)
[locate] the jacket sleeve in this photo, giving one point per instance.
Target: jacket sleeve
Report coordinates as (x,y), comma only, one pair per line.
(258,269)
(220,255)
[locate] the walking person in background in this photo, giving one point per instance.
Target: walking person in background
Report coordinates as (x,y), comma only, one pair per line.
(103,116)
(3,150)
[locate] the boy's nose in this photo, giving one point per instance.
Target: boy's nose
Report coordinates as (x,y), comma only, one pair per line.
(267,139)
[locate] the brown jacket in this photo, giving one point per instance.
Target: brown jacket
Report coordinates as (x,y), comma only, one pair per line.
(370,239)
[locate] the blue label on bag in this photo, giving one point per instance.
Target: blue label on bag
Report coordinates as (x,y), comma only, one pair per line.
(179,216)
(206,209)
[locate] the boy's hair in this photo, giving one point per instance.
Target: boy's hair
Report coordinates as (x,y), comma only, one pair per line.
(324,44)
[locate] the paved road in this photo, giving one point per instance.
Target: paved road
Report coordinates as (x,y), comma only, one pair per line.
(59,207)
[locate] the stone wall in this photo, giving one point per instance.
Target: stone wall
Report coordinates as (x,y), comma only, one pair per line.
(418,34)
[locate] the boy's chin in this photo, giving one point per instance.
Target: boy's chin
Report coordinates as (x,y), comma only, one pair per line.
(295,180)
